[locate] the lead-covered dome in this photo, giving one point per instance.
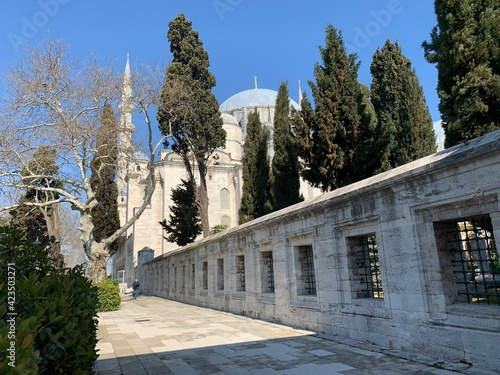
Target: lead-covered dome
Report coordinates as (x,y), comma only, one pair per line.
(252,98)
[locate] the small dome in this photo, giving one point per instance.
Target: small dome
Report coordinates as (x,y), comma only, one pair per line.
(139,155)
(252,98)
(228,119)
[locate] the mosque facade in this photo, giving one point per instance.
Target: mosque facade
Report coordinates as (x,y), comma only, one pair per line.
(224,177)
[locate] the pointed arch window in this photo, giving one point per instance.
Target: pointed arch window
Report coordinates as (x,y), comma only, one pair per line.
(225,202)
(225,221)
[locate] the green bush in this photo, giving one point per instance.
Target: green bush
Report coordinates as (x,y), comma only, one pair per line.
(108,293)
(56,324)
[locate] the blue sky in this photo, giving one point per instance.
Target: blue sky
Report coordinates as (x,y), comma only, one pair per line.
(273,40)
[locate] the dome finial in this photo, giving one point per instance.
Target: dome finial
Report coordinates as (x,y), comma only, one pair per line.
(255,81)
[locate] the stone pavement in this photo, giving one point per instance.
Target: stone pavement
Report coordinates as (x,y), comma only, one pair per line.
(152,335)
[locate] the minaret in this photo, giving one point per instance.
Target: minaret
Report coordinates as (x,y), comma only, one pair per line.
(300,94)
(126,129)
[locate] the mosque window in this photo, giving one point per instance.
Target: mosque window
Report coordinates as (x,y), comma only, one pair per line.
(220,274)
(225,221)
(307,280)
(240,273)
(267,272)
(368,278)
(225,199)
(472,268)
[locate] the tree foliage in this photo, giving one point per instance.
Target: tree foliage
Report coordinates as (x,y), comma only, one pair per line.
(404,131)
(184,224)
(188,110)
(465,46)
(55,102)
(35,221)
(255,199)
(105,217)
(327,136)
(285,182)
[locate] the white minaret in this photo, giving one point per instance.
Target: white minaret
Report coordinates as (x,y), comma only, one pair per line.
(300,94)
(126,129)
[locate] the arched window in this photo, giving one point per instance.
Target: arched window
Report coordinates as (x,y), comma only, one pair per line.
(225,221)
(225,199)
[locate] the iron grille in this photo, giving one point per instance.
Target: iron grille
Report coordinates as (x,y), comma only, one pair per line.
(267,260)
(240,272)
(371,278)
(220,274)
(475,260)
(306,259)
(193,276)
(205,275)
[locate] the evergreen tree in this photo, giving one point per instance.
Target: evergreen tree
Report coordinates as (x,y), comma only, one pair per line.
(188,109)
(326,137)
(39,224)
(255,200)
(364,162)
(404,131)
(105,215)
(285,183)
(184,221)
(465,46)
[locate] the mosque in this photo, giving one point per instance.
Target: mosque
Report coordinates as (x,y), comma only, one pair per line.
(224,177)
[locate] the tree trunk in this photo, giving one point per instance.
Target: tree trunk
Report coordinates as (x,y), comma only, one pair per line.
(203,200)
(96,270)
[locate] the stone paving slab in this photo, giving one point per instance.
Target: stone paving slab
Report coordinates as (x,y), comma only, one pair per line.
(152,336)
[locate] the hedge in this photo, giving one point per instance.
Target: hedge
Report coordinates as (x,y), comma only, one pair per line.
(108,293)
(55,329)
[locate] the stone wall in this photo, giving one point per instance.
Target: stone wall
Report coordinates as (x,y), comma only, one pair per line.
(374,261)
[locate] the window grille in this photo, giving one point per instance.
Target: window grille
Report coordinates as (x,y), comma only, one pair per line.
(306,260)
(220,274)
(369,267)
(193,276)
(183,277)
(268,272)
(240,273)
(175,278)
(205,275)
(475,261)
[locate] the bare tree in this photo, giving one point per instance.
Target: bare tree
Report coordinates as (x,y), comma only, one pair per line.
(54,101)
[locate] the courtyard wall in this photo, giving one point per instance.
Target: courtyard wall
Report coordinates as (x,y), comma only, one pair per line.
(406,260)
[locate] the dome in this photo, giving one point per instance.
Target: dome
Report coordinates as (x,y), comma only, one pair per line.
(228,119)
(252,98)
(139,155)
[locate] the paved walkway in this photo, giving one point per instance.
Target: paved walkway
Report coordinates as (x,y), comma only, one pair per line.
(156,336)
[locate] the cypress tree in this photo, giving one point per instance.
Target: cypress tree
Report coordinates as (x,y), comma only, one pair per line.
(37,224)
(105,217)
(188,110)
(184,221)
(364,162)
(465,46)
(285,183)
(255,200)
(404,131)
(326,138)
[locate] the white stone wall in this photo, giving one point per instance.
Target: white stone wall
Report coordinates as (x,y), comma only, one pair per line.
(407,211)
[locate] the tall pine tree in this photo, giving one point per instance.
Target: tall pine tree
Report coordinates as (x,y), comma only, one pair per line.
(285,182)
(255,199)
(465,46)
(404,132)
(184,224)
(326,137)
(105,217)
(188,109)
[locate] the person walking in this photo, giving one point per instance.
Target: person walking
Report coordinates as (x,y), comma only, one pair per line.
(135,287)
